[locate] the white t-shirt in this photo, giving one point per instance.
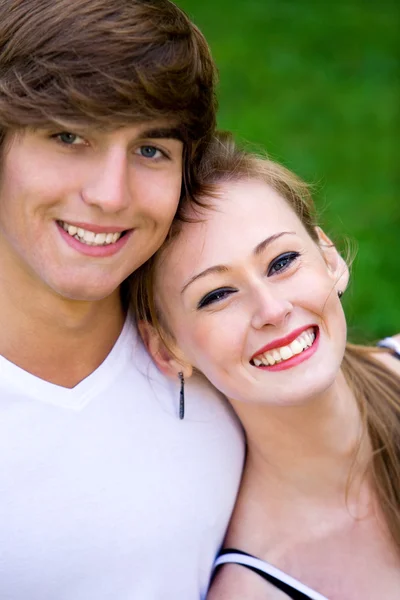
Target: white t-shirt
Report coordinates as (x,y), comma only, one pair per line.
(104,493)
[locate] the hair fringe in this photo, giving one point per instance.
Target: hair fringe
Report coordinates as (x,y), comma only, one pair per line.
(106,64)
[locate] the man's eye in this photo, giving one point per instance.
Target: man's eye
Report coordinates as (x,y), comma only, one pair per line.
(282,263)
(215,296)
(150,152)
(68,138)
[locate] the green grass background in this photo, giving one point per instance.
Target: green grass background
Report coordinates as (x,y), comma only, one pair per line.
(316,83)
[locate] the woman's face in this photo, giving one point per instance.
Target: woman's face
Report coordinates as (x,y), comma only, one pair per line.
(251,299)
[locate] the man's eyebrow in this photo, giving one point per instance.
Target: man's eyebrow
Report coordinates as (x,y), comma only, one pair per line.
(224,269)
(157,133)
(167,132)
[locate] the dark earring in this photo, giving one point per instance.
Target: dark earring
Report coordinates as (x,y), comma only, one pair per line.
(181,396)
(340,294)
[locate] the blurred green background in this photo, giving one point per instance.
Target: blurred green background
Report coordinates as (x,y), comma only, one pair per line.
(316,83)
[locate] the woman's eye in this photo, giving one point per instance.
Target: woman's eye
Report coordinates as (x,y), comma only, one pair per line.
(150,152)
(69,139)
(215,296)
(282,262)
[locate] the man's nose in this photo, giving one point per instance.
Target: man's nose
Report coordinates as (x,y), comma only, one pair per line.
(107,183)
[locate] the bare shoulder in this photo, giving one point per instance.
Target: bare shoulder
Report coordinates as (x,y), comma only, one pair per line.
(387,359)
(234,582)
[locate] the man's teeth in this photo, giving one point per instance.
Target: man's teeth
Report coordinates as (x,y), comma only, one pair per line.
(89,237)
(301,343)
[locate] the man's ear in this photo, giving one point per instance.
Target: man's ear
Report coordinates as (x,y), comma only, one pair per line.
(168,358)
(337,266)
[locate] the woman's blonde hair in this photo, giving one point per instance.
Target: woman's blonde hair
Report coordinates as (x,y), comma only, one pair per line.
(376,388)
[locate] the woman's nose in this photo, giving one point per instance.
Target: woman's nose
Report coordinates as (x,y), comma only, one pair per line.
(270,308)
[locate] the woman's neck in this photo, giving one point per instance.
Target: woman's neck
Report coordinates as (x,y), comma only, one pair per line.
(314,449)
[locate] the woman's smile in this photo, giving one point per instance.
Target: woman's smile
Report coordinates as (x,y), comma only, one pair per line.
(284,354)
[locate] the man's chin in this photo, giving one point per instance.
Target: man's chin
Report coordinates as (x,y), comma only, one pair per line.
(88,291)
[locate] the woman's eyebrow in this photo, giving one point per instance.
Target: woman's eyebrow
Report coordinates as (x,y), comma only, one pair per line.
(223,269)
(215,269)
(262,245)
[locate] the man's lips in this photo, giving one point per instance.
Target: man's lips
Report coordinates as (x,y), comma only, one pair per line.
(95,244)
(283,341)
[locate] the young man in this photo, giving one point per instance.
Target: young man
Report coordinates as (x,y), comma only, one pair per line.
(104,492)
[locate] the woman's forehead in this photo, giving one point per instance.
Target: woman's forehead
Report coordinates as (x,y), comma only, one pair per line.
(236,205)
(244,214)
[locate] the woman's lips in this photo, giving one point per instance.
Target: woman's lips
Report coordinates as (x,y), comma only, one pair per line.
(300,348)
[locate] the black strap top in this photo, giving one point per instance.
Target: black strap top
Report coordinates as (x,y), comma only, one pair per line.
(392,345)
(291,587)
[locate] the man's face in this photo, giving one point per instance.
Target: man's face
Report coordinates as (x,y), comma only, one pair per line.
(79,212)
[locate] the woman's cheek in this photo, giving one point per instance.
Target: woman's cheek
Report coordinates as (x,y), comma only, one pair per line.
(206,341)
(219,340)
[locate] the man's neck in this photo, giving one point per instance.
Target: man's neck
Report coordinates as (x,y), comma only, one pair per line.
(59,340)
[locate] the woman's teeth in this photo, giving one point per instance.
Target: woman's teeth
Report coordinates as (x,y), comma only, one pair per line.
(89,237)
(277,355)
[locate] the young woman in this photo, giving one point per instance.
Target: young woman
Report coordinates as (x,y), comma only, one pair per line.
(247,290)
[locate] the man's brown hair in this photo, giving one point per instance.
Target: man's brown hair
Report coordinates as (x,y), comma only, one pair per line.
(105,63)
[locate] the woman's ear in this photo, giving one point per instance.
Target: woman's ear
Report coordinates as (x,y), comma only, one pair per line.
(167,358)
(337,266)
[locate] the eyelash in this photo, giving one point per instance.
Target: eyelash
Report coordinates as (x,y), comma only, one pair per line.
(290,257)
(222,293)
(57,137)
(162,153)
(215,296)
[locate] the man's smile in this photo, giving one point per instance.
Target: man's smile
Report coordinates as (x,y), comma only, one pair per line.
(90,237)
